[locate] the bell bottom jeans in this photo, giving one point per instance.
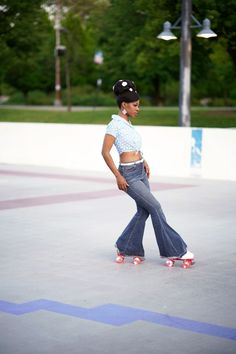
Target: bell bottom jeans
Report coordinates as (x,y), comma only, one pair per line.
(131,240)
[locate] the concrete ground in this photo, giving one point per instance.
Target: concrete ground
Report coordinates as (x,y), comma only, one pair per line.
(62,292)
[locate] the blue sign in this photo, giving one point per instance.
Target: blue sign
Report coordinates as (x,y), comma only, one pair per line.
(196,149)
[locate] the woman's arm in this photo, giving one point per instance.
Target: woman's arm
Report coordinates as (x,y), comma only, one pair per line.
(106,148)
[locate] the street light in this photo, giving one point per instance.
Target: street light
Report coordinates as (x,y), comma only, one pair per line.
(185,54)
(166,34)
(206,32)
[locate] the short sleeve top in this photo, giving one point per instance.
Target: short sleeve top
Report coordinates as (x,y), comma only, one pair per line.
(126,137)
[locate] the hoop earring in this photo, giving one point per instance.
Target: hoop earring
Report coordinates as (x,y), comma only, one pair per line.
(123,111)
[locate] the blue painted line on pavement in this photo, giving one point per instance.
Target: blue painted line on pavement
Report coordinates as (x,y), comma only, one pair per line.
(117,315)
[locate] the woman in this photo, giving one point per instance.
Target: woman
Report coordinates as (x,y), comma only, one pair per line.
(132,177)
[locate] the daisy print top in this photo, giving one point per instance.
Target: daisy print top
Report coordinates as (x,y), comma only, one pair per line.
(127,138)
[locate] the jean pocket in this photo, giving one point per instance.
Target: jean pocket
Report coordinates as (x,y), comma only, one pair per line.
(129,169)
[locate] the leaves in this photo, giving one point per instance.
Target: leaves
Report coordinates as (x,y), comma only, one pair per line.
(126,32)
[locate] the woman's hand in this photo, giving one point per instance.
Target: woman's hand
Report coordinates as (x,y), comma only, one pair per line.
(146,168)
(122,183)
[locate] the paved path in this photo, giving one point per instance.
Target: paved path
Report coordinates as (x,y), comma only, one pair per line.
(62,292)
(53,108)
(102,108)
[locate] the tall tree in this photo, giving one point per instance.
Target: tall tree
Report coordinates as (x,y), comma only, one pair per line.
(25,47)
(80,22)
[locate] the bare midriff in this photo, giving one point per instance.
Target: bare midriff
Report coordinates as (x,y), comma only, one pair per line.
(130,156)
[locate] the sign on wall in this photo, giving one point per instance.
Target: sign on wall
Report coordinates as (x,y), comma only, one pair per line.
(196,151)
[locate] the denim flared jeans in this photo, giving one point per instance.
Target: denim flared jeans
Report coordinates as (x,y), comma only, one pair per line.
(130,242)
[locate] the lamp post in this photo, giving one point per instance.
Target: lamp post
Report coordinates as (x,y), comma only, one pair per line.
(185,65)
(57,27)
(185,54)
(64,51)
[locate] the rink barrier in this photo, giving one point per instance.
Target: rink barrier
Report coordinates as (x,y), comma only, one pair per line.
(170,151)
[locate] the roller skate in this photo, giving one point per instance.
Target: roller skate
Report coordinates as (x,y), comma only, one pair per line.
(120,258)
(187,260)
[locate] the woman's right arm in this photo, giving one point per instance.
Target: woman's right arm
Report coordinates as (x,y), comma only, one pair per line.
(106,148)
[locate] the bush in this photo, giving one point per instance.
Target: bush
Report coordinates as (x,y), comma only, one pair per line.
(39,98)
(171,93)
(33,97)
(16,98)
(88,96)
(221,102)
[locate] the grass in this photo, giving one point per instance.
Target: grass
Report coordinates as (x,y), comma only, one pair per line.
(200,117)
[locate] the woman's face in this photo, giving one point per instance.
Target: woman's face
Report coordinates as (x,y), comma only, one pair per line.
(132,108)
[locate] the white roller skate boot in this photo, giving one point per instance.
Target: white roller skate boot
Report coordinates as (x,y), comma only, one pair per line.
(188,255)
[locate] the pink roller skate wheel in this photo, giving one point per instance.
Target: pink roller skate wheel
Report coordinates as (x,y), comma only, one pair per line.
(170,263)
(136,260)
(119,259)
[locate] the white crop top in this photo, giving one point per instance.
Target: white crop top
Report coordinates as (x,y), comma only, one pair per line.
(127,138)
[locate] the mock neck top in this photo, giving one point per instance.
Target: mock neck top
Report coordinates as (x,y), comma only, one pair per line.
(126,137)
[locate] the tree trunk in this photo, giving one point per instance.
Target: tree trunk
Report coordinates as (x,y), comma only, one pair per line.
(232,52)
(157,99)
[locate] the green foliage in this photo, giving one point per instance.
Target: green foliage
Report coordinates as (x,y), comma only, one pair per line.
(87,96)
(16,17)
(129,41)
(39,98)
(223,17)
(26,48)
(16,97)
(80,50)
(126,33)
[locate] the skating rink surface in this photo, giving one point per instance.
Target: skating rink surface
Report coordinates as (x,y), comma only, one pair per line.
(62,292)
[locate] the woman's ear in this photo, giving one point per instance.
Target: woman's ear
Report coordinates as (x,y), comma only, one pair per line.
(123,110)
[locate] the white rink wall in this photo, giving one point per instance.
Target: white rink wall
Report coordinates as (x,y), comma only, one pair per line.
(170,151)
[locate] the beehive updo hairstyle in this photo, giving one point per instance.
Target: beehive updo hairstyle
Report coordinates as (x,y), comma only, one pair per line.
(125,91)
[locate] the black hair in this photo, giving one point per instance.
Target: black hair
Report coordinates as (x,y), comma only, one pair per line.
(125,91)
